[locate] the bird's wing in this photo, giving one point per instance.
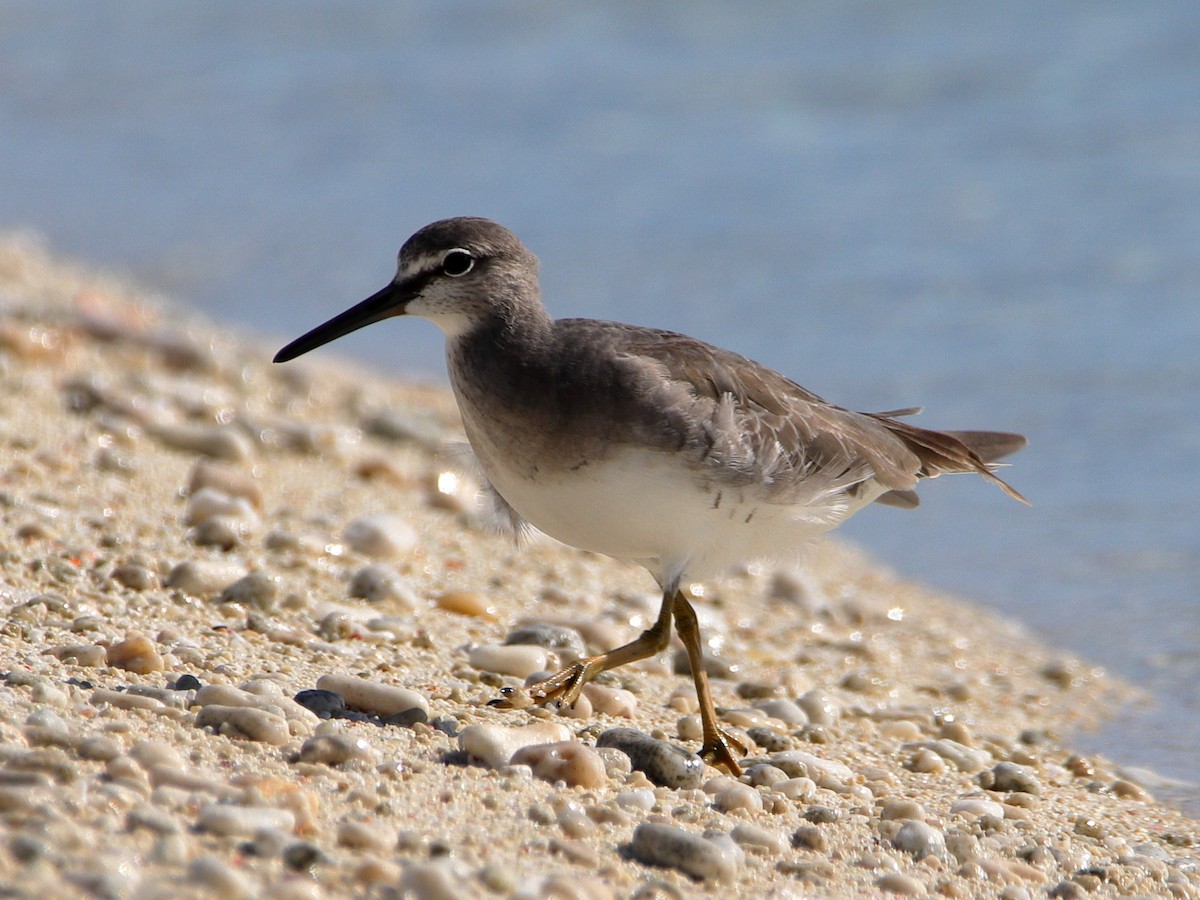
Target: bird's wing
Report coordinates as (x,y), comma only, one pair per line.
(755,424)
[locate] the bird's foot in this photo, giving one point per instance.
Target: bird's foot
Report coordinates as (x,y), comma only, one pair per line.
(561,689)
(718,748)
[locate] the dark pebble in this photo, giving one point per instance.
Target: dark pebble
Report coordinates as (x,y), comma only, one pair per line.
(446,725)
(326,704)
(186,683)
(821,815)
(302,856)
(554,637)
(664,764)
(408,718)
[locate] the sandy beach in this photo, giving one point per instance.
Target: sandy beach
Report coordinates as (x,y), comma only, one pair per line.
(252,619)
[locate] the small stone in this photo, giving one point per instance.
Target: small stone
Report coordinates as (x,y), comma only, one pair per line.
(87,655)
(784,710)
(325,704)
(466,603)
(372,697)
(802,789)
(564,641)
(738,797)
(136,653)
(377,583)
(518,660)
(134,577)
(438,879)
(202,577)
(765,774)
(899,883)
(365,836)
(822,815)
(186,682)
(226,479)
(1007,776)
(664,764)
(820,707)
(243,821)
(757,839)
(495,745)
(335,749)
(769,740)
(920,839)
(611,701)
(209,503)
(664,845)
(219,878)
(383,534)
(810,837)
(257,590)
(977,807)
(902,809)
(245,722)
(216,441)
(569,761)
(221,532)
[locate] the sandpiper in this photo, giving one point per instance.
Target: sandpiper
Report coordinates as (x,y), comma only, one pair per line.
(645,445)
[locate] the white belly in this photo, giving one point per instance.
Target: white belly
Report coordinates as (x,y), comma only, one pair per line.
(647,508)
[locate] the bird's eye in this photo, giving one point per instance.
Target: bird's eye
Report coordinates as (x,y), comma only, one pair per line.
(457,262)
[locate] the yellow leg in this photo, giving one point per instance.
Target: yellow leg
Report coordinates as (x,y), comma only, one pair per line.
(716,746)
(564,687)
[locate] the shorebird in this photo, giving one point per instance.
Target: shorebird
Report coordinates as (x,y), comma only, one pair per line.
(641,444)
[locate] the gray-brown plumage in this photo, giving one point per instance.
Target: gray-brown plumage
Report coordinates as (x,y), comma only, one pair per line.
(645,444)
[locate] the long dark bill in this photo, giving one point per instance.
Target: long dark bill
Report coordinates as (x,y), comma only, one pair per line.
(382,305)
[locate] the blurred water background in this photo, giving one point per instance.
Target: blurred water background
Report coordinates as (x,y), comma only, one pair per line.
(989,209)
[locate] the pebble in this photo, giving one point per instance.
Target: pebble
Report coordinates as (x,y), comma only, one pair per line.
(769,740)
(568,761)
(226,479)
(611,701)
(1008,776)
(365,836)
(758,839)
(439,879)
(663,763)
(372,697)
(215,441)
(209,503)
(87,655)
(324,704)
(221,879)
(136,653)
(335,749)
(466,603)
(382,534)
(899,883)
(201,578)
(494,745)
(134,577)
(243,821)
(827,773)
(658,844)
(802,789)
(738,797)
(965,759)
(977,807)
(245,722)
(258,590)
(810,837)
(123,700)
(222,532)
(920,839)
(564,641)
(765,774)
(378,582)
(518,660)
(820,707)
(902,809)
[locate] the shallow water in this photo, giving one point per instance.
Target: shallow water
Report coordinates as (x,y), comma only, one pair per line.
(994,212)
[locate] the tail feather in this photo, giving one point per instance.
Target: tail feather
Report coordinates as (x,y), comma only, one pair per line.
(943,452)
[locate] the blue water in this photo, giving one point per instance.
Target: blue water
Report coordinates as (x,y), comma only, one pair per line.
(989,209)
